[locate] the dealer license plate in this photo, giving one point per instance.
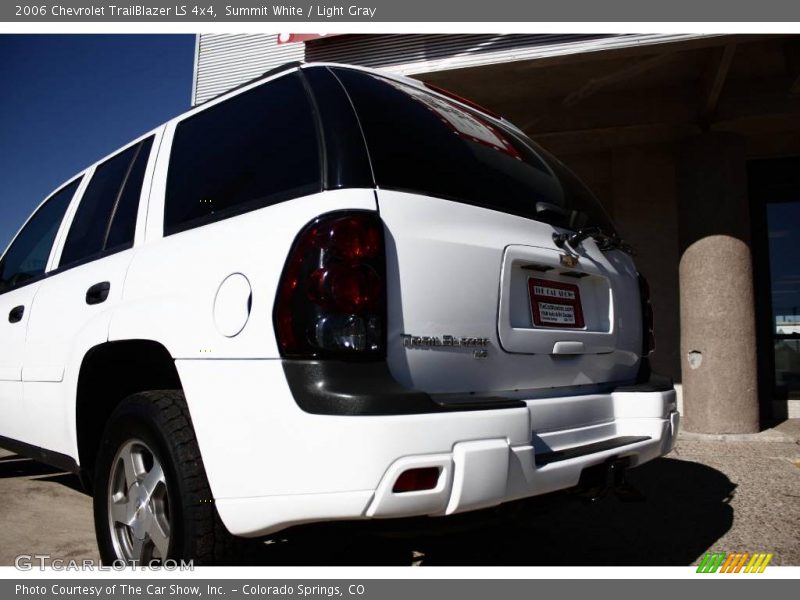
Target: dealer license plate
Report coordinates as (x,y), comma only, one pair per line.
(555,304)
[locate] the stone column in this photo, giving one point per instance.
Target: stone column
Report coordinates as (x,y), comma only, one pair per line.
(718,337)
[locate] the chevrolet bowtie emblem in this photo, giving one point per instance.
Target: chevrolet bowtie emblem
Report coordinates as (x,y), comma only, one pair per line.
(569,260)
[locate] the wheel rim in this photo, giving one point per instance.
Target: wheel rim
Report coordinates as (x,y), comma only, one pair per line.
(138,505)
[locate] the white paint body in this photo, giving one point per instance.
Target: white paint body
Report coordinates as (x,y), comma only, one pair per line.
(207,296)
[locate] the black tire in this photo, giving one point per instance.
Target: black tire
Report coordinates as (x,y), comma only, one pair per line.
(160,421)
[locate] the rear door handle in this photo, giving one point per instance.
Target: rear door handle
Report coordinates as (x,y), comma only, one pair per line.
(98,293)
(15,315)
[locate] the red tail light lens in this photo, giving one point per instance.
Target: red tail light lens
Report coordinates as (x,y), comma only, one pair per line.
(332,296)
(648,335)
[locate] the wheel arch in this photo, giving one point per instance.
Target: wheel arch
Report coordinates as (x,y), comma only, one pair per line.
(109,373)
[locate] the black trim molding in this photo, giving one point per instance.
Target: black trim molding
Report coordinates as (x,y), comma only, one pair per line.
(49,457)
(333,387)
(337,387)
(546,458)
(654,383)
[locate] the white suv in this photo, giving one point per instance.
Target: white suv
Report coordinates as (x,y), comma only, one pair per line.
(329,294)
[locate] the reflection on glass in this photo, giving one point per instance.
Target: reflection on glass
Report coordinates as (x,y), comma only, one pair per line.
(783,220)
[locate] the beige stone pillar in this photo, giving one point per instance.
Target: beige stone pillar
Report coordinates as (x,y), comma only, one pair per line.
(718,340)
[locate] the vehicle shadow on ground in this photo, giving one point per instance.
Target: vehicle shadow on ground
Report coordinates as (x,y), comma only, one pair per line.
(686,510)
(19,466)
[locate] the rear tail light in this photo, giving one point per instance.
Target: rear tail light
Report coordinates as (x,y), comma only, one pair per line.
(331,299)
(648,336)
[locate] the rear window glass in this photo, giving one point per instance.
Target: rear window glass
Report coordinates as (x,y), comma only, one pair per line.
(424,143)
(106,217)
(256,149)
(123,226)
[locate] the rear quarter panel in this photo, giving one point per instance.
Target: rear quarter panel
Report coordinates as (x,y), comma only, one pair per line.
(172,282)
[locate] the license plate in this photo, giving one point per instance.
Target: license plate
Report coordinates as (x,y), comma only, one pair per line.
(555,304)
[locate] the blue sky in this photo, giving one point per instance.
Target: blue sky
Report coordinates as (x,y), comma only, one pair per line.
(68,100)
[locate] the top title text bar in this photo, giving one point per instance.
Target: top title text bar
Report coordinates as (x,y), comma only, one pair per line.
(438,11)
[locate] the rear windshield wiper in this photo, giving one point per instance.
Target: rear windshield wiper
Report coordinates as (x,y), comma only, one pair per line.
(604,241)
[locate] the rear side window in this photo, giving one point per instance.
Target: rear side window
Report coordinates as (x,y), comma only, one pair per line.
(424,143)
(256,149)
(26,258)
(105,221)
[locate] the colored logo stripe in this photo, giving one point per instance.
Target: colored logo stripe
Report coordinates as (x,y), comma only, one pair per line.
(758,563)
(734,562)
(711,562)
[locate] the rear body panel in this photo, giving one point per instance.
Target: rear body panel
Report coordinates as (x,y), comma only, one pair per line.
(460,271)
(481,300)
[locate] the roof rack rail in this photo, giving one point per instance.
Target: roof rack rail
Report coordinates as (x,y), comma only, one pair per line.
(264,75)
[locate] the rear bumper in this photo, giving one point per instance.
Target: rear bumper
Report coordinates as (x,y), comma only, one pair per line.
(272,465)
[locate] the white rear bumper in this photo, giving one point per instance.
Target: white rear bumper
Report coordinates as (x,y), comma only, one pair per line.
(271,465)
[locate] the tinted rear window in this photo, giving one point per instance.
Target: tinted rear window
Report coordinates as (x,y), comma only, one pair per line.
(256,149)
(423,143)
(123,226)
(106,217)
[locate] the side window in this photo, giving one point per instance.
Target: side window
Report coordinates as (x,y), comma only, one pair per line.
(123,225)
(106,217)
(256,149)
(27,257)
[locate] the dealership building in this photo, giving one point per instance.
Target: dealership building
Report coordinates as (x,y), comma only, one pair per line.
(692,144)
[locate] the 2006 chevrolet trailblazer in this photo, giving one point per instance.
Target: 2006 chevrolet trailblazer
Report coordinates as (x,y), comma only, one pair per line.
(329,294)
